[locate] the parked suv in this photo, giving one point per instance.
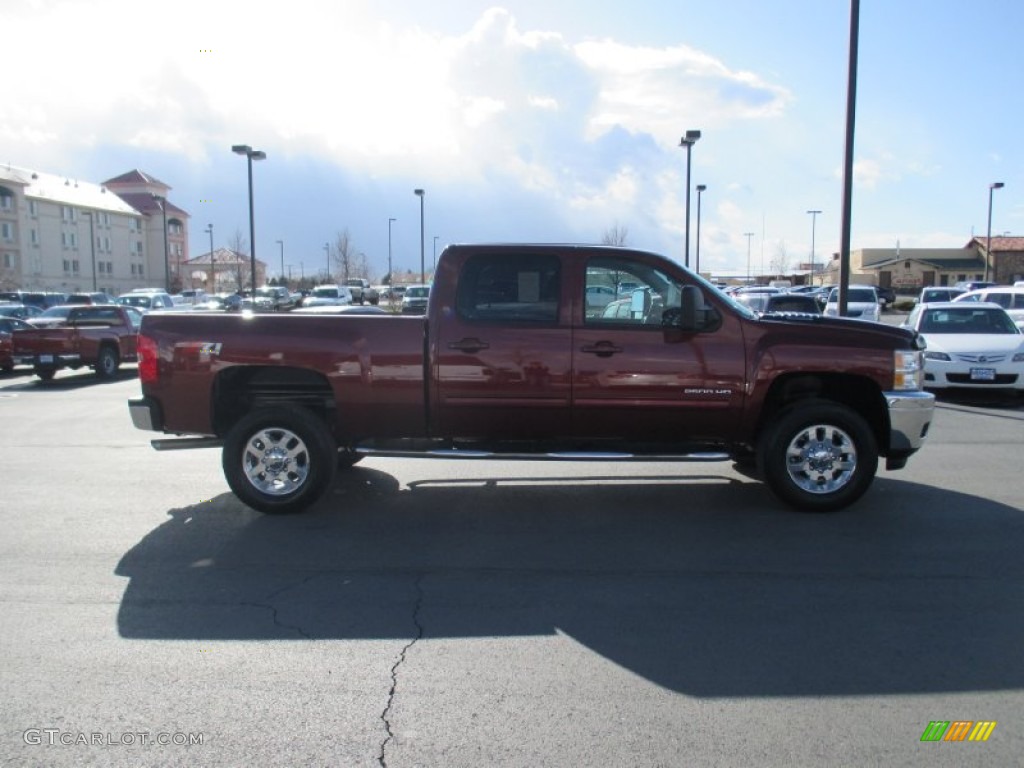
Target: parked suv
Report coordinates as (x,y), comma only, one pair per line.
(1008,297)
(328,294)
(146,300)
(89,298)
(414,300)
(886,296)
(41,299)
(861,303)
(938,293)
(275,298)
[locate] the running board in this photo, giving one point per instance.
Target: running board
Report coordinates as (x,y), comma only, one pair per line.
(454,453)
(184,443)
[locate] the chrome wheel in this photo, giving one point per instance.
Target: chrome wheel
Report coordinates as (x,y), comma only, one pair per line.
(818,455)
(821,458)
(276,461)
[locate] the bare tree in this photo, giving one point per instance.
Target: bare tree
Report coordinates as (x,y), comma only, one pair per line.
(344,254)
(239,246)
(780,261)
(617,235)
(361,266)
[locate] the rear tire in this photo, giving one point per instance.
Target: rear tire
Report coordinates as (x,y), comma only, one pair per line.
(818,456)
(46,374)
(279,460)
(107,362)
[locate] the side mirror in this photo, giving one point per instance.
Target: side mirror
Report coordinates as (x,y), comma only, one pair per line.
(684,317)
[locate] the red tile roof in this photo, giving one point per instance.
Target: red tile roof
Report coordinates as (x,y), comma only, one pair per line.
(135,177)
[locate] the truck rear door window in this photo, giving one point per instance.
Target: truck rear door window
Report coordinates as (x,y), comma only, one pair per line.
(510,288)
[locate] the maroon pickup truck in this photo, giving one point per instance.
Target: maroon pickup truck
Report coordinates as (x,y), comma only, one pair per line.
(534,351)
(99,336)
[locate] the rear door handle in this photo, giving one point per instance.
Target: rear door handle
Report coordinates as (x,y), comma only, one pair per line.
(601,349)
(469,345)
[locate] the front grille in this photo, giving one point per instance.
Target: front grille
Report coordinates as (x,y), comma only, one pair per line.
(994,358)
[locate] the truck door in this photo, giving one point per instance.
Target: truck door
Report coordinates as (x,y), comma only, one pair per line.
(635,380)
(502,361)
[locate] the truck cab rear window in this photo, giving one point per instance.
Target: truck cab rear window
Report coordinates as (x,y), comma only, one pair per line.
(510,288)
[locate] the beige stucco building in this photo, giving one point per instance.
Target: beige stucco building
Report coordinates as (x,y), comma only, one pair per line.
(910,269)
(63,234)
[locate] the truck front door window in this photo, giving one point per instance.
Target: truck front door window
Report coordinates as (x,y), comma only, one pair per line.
(623,291)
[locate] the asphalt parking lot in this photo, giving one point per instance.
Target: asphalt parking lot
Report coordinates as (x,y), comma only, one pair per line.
(481,613)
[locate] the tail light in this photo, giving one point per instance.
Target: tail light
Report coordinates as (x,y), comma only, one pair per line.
(148,359)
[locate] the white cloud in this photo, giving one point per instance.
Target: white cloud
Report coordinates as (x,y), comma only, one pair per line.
(586,127)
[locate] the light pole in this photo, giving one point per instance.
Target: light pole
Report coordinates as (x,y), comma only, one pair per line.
(281,243)
(162,202)
(814,221)
(988,240)
(435,254)
(92,241)
(391,271)
(250,154)
(213,266)
(688,141)
(327,250)
(748,235)
(423,267)
(700,188)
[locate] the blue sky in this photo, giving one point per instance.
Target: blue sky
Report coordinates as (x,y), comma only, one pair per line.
(532,121)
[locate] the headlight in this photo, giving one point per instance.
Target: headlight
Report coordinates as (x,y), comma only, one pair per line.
(908,369)
(1019,357)
(937,356)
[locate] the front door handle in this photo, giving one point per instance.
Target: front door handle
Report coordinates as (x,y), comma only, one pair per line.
(601,349)
(469,345)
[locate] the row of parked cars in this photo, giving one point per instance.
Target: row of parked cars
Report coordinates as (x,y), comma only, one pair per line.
(974,333)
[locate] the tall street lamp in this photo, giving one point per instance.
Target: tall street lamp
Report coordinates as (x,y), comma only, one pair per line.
(423,267)
(250,154)
(327,250)
(814,221)
(748,235)
(162,202)
(281,243)
(391,271)
(700,189)
(688,141)
(435,253)
(988,241)
(213,268)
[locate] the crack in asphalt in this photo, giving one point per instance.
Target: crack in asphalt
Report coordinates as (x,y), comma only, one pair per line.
(382,755)
(273,608)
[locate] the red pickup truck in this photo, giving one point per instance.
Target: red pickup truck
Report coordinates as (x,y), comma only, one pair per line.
(99,336)
(511,361)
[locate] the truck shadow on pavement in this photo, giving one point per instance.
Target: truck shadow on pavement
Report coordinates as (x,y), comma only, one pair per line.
(703,585)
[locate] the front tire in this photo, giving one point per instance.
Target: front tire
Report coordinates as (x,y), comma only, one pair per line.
(819,456)
(45,374)
(279,460)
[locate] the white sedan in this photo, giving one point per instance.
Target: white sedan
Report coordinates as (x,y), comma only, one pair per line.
(970,345)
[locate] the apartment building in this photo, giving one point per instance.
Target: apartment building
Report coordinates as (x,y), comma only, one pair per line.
(63,234)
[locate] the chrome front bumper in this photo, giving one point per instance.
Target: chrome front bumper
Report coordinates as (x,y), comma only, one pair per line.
(910,416)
